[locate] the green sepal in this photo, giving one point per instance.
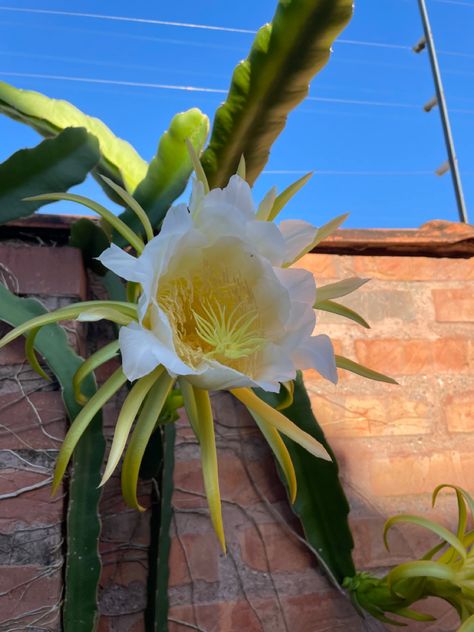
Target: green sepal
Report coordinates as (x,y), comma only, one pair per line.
(341,288)
(359,369)
(341,310)
(285,196)
(89,365)
(117,224)
(141,435)
(82,421)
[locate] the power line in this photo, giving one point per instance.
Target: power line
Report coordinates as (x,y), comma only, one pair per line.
(379,174)
(122,18)
(212,27)
(115,82)
(208,90)
(459,2)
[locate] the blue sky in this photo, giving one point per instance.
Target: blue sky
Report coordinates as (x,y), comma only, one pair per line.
(366,136)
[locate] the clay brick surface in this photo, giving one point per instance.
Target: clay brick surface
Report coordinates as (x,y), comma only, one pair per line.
(394,445)
(415,357)
(454,306)
(27,593)
(459,411)
(414,268)
(270,548)
(36,422)
(418,473)
(322,266)
(360,415)
(195,554)
(43,270)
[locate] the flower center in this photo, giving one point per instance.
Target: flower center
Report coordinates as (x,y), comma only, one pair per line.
(214,315)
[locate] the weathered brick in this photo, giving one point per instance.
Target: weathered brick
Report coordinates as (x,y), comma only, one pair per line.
(38,421)
(322,266)
(234,481)
(194,557)
(254,615)
(321,612)
(414,357)
(375,306)
(414,268)
(359,415)
(43,270)
(123,623)
(27,499)
(26,589)
(454,306)
(420,473)
(405,542)
(459,411)
(273,549)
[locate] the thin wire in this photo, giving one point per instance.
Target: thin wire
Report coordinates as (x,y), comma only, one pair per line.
(122,18)
(211,27)
(459,2)
(115,82)
(203,89)
(381,174)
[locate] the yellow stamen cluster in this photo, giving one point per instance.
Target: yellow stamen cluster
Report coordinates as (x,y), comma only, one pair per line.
(213,313)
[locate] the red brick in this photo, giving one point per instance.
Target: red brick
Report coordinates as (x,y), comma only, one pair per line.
(405,542)
(454,306)
(229,616)
(414,357)
(123,623)
(123,571)
(193,557)
(320,265)
(24,589)
(414,268)
(459,411)
(273,549)
(321,612)
(39,423)
(31,507)
(420,473)
(44,270)
(358,415)
(234,481)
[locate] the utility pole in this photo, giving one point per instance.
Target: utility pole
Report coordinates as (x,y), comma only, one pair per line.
(441,102)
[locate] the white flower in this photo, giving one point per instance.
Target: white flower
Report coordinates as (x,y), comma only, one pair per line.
(217,304)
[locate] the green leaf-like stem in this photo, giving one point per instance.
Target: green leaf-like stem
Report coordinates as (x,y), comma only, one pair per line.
(56,164)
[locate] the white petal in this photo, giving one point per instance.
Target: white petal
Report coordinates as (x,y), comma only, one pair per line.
(317,353)
(277,365)
(120,262)
(298,235)
(142,351)
(177,220)
(236,194)
(215,376)
(140,354)
(267,240)
(299,283)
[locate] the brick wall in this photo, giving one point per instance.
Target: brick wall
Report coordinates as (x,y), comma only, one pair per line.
(394,445)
